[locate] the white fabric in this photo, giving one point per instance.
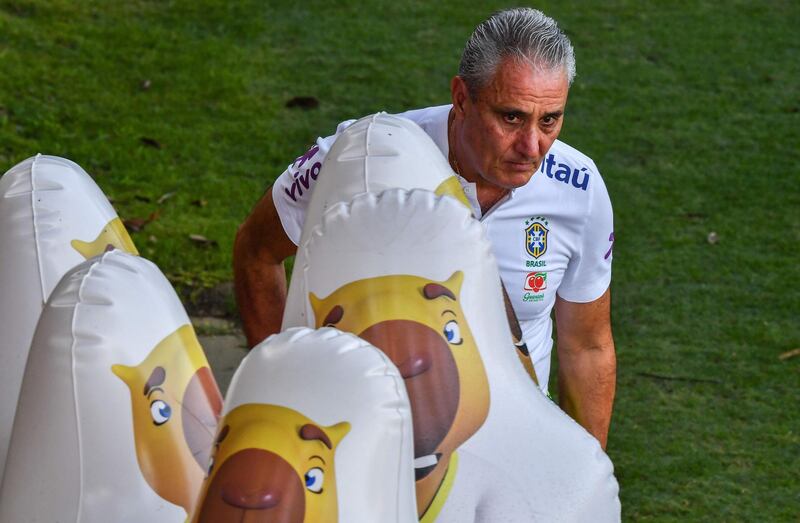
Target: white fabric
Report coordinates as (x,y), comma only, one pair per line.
(483,492)
(567,192)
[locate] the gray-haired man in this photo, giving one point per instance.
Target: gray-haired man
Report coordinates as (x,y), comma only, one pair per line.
(544,205)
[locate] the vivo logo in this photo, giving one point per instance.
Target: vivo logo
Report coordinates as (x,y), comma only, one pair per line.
(303,178)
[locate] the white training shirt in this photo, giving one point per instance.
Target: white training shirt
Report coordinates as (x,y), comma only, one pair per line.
(553,235)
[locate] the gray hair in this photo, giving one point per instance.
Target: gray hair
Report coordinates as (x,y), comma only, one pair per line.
(522,33)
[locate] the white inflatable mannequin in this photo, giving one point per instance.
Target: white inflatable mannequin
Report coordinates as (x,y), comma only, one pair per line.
(118,408)
(52,217)
(388,258)
(371,155)
(323,391)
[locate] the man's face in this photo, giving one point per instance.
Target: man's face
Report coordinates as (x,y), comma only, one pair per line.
(504,133)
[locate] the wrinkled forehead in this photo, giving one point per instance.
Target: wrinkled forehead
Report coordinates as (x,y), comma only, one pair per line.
(520,84)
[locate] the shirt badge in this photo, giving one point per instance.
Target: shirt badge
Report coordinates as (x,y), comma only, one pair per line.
(536,281)
(536,236)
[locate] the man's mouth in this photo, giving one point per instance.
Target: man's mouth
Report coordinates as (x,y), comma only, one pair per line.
(424,465)
(522,166)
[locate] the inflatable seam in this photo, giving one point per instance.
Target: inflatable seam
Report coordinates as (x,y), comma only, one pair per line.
(367,136)
(399,412)
(35,216)
(117,258)
(307,313)
(78,303)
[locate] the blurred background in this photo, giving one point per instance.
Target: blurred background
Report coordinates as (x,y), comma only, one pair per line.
(185,112)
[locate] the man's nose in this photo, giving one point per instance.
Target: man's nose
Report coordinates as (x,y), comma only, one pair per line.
(527,143)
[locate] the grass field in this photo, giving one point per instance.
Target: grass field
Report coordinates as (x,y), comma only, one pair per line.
(691,109)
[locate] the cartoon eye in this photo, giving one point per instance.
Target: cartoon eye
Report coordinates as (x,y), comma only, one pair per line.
(160,411)
(452,332)
(314,480)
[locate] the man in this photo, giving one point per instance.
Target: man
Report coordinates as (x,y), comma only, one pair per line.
(544,205)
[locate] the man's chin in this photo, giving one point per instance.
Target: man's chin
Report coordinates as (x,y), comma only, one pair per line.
(513,179)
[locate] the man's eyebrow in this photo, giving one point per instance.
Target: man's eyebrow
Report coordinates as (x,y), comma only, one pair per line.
(519,112)
(554,114)
(156,378)
(510,110)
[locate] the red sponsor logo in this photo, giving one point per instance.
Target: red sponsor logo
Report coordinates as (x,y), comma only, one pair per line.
(536,281)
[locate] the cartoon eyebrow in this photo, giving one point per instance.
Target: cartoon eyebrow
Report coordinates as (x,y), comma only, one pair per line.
(317,457)
(156,378)
(448,310)
(434,290)
(311,432)
(334,316)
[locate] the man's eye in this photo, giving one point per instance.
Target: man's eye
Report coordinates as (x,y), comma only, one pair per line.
(549,121)
(511,118)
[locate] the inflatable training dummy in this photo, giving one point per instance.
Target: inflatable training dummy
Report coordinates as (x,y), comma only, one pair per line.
(413,274)
(118,408)
(52,217)
(371,155)
(316,429)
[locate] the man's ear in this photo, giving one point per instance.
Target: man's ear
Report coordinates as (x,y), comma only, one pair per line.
(459,94)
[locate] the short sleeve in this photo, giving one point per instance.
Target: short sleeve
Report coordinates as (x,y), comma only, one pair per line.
(588,273)
(291,192)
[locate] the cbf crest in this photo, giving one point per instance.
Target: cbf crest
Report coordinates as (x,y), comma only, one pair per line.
(536,236)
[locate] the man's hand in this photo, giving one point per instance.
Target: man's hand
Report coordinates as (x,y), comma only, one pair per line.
(587,364)
(259,279)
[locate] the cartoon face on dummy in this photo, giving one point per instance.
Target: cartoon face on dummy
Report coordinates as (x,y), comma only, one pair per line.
(113,235)
(272,464)
(176,406)
(420,326)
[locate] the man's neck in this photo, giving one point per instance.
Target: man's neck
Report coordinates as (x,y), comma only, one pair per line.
(487,193)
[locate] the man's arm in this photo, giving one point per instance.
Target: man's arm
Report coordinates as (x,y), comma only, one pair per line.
(587,364)
(259,278)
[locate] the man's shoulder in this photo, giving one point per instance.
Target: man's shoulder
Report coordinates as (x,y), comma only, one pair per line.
(432,120)
(426,114)
(573,170)
(568,154)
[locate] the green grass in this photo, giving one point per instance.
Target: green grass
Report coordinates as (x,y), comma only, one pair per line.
(690,109)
